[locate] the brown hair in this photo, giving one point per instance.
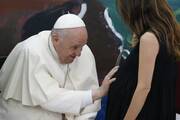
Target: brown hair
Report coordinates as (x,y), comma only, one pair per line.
(155,16)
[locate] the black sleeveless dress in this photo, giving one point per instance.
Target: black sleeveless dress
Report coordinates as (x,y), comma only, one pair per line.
(160,102)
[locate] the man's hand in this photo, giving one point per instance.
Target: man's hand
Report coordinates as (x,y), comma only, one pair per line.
(103,89)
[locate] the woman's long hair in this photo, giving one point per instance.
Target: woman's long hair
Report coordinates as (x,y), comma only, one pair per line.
(155,16)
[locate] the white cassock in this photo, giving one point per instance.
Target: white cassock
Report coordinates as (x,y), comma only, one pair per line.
(35,86)
(177,116)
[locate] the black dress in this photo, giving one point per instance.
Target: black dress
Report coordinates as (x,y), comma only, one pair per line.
(160,102)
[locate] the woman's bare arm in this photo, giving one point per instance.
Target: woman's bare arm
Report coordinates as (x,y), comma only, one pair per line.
(148,50)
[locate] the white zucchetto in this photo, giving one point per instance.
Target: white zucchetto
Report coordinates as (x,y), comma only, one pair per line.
(68,21)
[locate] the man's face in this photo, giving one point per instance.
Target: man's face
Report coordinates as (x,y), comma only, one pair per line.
(70,45)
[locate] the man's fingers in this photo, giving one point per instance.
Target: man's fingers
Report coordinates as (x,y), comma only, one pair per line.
(113,70)
(112,80)
(111,73)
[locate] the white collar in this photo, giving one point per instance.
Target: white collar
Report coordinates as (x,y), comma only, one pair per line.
(52,49)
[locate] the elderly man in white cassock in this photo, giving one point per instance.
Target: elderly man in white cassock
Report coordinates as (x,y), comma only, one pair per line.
(52,76)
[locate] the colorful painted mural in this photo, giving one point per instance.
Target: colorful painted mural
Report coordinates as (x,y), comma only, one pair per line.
(117,21)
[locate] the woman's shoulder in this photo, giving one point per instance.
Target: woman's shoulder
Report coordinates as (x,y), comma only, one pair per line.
(148,40)
(149,37)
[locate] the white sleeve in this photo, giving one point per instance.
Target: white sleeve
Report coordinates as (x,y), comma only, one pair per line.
(89,112)
(177,116)
(69,102)
(87,99)
(88,116)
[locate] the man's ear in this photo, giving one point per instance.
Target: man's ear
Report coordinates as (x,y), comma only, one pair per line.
(55,36)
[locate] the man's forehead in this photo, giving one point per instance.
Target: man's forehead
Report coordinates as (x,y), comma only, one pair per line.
(77,36)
